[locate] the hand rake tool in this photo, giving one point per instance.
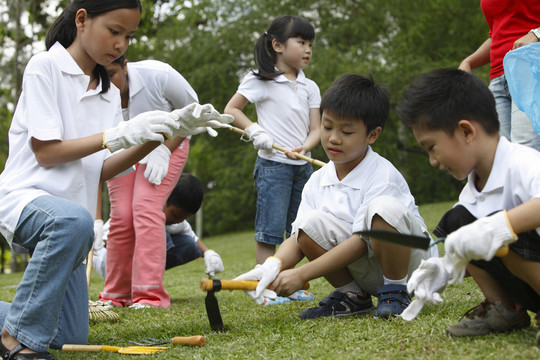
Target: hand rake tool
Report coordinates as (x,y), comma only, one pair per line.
(281,148)
(415,241)
(196,340)
(213,285)
(97,312)
(132,350)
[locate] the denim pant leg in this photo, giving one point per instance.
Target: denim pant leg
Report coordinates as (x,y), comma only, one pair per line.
(181,249)
(503,102)
(522,129)
(59,235)
(273,181)
(301,174)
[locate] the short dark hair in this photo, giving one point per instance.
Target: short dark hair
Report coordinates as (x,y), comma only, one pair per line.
(439,99)
(357,97)
(187,194)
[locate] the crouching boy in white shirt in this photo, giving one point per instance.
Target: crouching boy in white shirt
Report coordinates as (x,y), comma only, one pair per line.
(355,191)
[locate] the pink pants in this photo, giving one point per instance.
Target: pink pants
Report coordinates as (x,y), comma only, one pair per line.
(136,243)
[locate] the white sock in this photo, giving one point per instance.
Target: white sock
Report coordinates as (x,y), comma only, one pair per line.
(351,287)
(396,282)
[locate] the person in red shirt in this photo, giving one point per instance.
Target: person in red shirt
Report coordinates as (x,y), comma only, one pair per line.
(512,24)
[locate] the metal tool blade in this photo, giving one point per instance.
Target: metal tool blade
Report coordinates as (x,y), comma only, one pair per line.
(414,241)
(212,310)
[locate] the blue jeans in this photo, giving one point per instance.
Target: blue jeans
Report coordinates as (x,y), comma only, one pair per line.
(279,192)
(50,307)
(181,249)
(514,123)
(503,103)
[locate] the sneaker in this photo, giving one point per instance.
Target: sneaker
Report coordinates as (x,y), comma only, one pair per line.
(489,317)
(300,295)
(278,300)
(393,299)
(106,304)
(137,306)
(339,304)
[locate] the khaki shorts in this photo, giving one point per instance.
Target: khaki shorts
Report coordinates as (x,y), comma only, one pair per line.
(328,231)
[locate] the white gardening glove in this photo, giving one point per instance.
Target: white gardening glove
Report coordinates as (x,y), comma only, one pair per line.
(265,274)
(147,126)
(98,234)
(426,282)
(157,164)
(262,140)
(195,118)
(477,241)
(213,262)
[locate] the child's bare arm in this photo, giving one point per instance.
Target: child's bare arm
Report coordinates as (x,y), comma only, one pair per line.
(314,136)
(335,259)
(525,216)
(235,108)
(289,253)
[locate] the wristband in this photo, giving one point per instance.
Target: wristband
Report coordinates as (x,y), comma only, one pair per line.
(278,259)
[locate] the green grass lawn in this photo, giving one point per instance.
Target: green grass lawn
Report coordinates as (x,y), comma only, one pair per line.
(275,332)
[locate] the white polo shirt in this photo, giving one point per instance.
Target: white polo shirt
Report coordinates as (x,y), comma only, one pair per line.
(54,105)
(282,110)
(155,85)
(347,199)
(514,179)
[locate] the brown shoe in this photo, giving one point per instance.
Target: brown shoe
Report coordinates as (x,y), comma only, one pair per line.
(489,317)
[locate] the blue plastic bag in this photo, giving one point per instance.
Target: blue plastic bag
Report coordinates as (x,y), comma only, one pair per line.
(522,72)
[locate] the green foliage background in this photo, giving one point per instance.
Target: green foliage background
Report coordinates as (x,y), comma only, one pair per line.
(211,42)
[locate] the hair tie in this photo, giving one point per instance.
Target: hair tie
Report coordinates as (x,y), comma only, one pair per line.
(266,33)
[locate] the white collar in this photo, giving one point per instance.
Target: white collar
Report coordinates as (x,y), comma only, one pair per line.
(354,179)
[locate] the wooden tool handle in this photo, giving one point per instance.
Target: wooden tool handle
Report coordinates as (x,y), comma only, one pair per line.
(502,251)
(89,261)
(208,284)
(189,340)
(85,348)
(281,148)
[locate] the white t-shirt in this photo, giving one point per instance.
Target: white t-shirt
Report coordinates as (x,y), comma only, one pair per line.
(155,85)
(54,105)
(347,199)
(282,110)
(514,179)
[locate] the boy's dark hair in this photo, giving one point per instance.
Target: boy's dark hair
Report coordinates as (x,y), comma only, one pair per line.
(357,97)
(64,31)
(282,28)
(439,99)
(187,194)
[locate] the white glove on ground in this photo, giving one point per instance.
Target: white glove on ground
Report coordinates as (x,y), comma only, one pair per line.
(262,140)
(195,118)
(477,241)
(157,164)
(426,282)
(213,262)
(98,234)
(265,274)
(147,126)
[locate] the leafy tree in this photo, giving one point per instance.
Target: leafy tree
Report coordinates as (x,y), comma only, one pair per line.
(211,43)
